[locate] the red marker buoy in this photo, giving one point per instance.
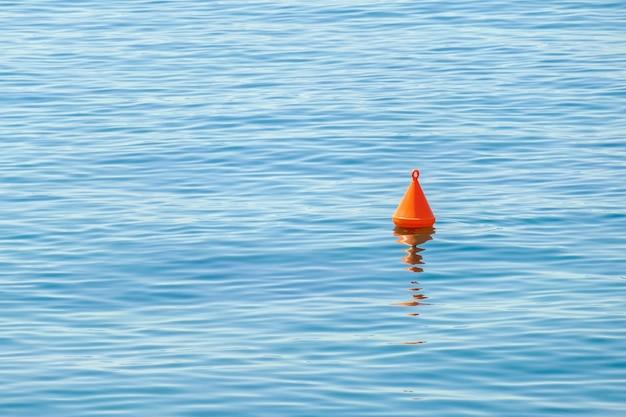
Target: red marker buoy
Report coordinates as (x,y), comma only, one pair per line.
(413,211)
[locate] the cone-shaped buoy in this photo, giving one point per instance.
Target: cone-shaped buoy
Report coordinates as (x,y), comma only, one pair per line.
(413,211)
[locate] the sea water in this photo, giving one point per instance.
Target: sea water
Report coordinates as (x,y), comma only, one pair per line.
(196,199)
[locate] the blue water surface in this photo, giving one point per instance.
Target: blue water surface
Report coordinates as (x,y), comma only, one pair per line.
(196,197)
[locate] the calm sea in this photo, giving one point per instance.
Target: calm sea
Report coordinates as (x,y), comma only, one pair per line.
(196,196)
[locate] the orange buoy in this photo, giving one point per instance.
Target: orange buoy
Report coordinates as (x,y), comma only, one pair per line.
(413,211)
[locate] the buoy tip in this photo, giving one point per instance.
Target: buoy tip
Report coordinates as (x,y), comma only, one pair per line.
(415,174)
